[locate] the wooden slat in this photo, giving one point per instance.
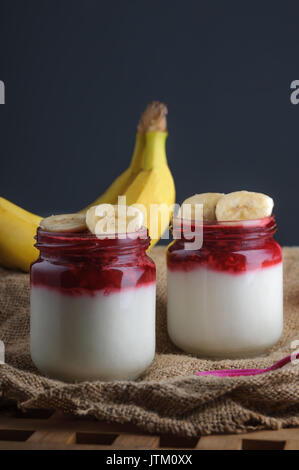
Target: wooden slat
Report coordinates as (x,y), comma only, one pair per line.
(219,443)
(132,441)
(276,435)
(66,424)
(12,445)
(57,437)
(292,444)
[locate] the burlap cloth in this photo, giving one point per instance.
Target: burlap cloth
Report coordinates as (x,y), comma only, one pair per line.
(169,398)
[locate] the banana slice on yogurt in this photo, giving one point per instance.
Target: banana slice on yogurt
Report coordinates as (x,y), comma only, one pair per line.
(64,223)
(208,202)
(244,205)
(109,219)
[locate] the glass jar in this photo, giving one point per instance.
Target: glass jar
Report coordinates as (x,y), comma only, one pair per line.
(226,298)
(92,306)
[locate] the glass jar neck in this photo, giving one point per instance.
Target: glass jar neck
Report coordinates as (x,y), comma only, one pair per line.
(79,246)
(223,234)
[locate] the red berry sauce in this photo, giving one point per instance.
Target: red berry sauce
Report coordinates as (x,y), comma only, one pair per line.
(82,264)
(230,248)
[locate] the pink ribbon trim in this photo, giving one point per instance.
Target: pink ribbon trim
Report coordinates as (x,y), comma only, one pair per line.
(240,372)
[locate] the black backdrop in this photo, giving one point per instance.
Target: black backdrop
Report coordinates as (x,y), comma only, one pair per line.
(78,74)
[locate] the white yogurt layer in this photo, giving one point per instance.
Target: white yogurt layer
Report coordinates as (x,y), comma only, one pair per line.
(85,337)
(217,314)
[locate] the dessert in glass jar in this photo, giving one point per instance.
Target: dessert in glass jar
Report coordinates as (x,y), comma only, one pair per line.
(225,299)
(92,301)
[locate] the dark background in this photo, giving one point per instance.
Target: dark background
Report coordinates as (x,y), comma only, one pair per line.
(78,74)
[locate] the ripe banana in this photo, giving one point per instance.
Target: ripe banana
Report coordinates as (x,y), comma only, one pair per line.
(18,227)
(208,201)
(244,205)
(64,223)
(153,190)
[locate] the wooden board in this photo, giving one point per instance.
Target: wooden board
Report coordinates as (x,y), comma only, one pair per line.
(43,429)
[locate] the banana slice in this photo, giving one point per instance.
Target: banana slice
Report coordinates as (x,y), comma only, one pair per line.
(244,205)
(208,200)
(91,219)
(64,223)
(106,219)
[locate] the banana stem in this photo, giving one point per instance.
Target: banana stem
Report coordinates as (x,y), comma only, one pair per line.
(137,160)
(155,150)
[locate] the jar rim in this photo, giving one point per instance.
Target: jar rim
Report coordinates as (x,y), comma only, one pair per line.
(142,233)
(250,223)
(234,229)
(85,243)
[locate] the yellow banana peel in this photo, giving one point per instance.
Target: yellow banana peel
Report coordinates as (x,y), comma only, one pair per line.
(153,189)
(17,230)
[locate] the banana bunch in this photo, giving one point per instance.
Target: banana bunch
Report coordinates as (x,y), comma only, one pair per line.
(147,181)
